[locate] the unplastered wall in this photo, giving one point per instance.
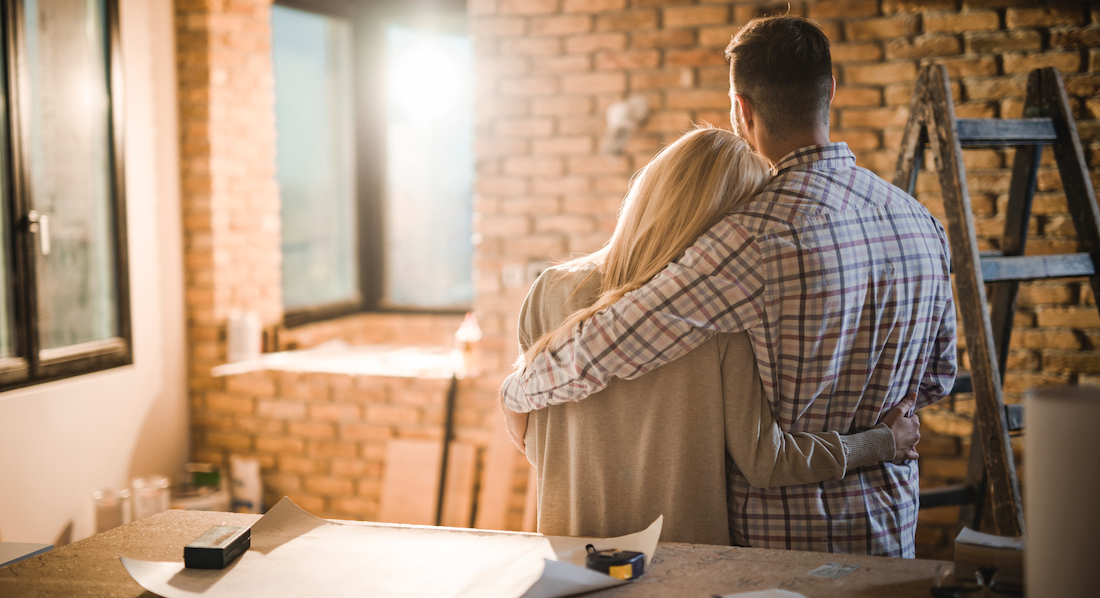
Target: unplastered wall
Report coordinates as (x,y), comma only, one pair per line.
(62,440)
(548,69)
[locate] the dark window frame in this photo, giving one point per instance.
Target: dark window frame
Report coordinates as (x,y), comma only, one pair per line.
(31,365)
(368,28)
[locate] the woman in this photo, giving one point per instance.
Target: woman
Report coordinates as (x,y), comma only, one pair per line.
(661,444)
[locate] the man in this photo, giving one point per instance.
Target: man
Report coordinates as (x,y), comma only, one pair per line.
(841,280)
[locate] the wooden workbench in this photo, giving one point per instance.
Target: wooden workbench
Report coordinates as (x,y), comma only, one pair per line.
(91,567)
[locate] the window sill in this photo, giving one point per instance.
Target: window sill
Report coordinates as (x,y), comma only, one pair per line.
(337,357)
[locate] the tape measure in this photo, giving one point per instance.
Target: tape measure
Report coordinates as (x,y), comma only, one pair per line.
(620,564)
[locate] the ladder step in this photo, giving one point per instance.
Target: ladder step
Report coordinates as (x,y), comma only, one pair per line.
(946,496)
(962,383)
(1013,268)
(1014,413)
(1004,132)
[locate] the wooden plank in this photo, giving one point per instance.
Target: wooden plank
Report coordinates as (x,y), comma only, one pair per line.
(1005,132)
(913,142)
(410,482)
(1017,268)
(496,481)
(963,383)
(1080,196)
(999,465)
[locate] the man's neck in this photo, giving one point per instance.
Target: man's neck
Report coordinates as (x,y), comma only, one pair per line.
(775,149)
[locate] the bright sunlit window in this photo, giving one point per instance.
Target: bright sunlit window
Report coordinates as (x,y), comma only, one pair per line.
(429,169)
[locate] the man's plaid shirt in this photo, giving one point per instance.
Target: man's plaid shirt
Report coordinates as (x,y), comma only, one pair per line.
(843,283)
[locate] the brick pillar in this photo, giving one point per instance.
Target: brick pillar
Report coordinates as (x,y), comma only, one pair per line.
(229,193)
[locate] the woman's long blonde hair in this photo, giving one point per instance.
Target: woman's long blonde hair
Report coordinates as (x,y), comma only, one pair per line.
(687,188)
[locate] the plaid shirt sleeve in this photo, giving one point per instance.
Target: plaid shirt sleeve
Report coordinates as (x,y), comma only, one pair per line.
(711,289)
(939,374)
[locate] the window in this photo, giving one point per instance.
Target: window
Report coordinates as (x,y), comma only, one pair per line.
(65,305)
(375,160)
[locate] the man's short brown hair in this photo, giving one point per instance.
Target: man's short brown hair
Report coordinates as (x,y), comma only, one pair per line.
(783,66)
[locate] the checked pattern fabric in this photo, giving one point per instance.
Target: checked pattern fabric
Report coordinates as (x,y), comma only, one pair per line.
(843,283)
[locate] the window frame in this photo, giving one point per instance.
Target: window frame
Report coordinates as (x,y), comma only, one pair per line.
(368,43)
(32,365)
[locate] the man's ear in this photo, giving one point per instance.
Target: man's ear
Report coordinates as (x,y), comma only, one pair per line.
(832,91)
(747,115)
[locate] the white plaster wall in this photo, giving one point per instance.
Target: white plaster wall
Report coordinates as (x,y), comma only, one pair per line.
(62,440)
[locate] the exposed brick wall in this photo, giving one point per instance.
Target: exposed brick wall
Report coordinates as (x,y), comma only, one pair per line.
(548,69)
(320,437)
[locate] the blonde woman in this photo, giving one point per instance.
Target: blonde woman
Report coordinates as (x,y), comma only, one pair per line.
(661,444)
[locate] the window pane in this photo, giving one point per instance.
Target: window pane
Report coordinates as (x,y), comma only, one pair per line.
(316,157)
(429,172)
(70,169)
(6,316)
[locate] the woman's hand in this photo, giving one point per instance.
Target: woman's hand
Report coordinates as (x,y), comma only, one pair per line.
(516,425)
(905,428)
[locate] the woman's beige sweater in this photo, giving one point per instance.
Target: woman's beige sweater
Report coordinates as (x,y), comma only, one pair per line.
(659,444)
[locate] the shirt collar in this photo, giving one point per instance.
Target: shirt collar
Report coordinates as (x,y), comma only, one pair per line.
(829,156)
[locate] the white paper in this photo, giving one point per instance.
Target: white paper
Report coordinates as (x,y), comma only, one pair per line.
(296,554)
(969,536)
(776,593)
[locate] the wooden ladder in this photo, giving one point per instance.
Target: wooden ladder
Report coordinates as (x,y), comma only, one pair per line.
(1047,120)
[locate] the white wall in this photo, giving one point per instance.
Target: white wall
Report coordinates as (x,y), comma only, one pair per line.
(62,440)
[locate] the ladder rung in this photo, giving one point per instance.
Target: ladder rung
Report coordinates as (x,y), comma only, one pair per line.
(963,383)
(1011,268)
(946,496)
(1014,413)
(1001,132)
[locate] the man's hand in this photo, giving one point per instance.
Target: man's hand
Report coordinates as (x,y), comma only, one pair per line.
(515,424)
(905,428)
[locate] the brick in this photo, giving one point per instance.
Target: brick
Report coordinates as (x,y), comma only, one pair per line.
(1087,37)
(363,508)
(855,52)
(531,46)
(690,16)
(982,66)
(257,384)
(697,98)
(529,86)
(961,22)
(1068,317)
(523,127)
(591,6)
(1043,338)
(560,104)
(602,164)
(352,468)
(300,465)
(541,246)
(858,140)
(328,449)
(561,185)
(567,24)
(283,483)
(312,429)
(329,485)
(576,144)
(594,83)
(556,65)
(335,412)
(583,44)
(528,7)
(876,118)
(993,89)
(1003,41)
(565,223)
(880,74)
(661,79)
(619,60)
(226,402)
(843,9)
(280,444)
(698,57)
(883,28)
(856,96)
(915,6)
(1066,62)
(498,26)
(280,409)
(627,20)
(1045,16)
(720,37)
(924,46)
(229,440)
(663,38)
(533,165)
(365,431)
